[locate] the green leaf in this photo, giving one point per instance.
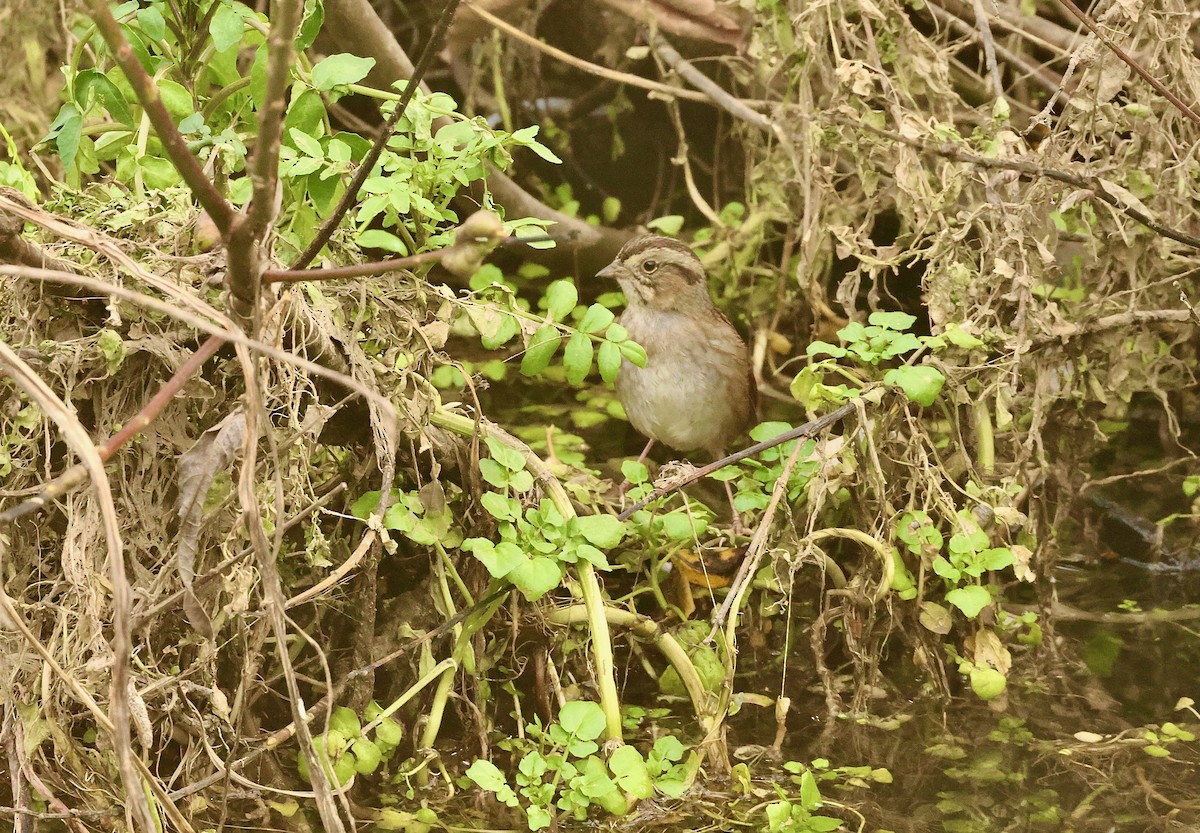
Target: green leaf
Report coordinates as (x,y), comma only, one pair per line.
(997,558)
(959,337)
(968,536)
(608,360)
(898,321)
(916,529)
(306,143)
(577,358)
(668,225)
(494,473)
(112,348)
(582,718)
(542,348)
(389,731)
(631,773)
(176,98)
(616,333)
(819,348)
(596,319)
(340,69)
(151,21)
(970,600)
(560,299)
(681,527)
(90,81)
(635,472)
(536,577)
(67,130)
(377,238)
(367,756)
(500,559)
(605,531)
(634,352)
(921,384)
(500,507)
(610,210)
(505,455)
(345,720)
(987,683)
(945,569)
(486,776)
(537,818)
(225,28)
(310,26)
(810,793)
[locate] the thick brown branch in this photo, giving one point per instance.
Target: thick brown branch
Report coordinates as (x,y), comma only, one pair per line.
(245,239)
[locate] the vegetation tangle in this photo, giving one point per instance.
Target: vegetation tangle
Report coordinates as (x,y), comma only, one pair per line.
(320,511)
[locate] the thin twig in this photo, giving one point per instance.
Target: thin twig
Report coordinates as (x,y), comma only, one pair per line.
(380,267)
(1118,321)
(808,429)
(273,598)
(117,721)
(587,66)
(989,49)
(196,322)
(79,473)
(710,88)
(16,249)
(756,549)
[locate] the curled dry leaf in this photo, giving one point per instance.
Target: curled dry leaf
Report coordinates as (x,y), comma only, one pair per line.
(213,452)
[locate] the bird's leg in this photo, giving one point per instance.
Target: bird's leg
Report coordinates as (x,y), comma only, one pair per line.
(626,485)
(739,529)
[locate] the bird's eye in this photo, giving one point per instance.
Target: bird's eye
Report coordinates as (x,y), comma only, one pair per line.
(650,266)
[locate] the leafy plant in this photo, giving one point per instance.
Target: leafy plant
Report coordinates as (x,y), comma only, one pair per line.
(347,750)
(798,814)
(435,152)
(884,338)
(560,771)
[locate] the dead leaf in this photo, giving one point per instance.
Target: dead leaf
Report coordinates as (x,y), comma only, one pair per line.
(212,453)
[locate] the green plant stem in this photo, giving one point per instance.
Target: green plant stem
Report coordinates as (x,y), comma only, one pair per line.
(985,437)
(446,666)
(441,696)
(589,583)
(885,557)
(667,644)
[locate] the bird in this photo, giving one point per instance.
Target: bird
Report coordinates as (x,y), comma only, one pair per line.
(697,390)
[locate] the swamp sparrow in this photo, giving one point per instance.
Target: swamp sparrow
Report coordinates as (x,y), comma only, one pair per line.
(696,390)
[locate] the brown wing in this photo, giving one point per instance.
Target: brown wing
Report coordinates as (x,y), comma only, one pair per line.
(748,412)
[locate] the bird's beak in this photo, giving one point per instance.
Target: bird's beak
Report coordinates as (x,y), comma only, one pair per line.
(612,271)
